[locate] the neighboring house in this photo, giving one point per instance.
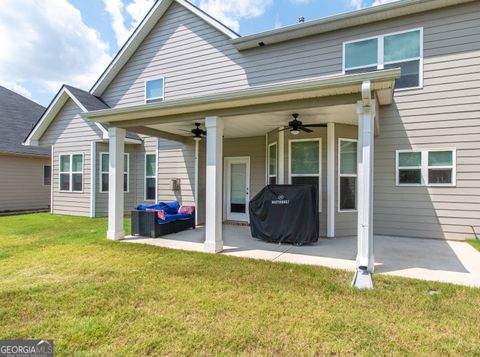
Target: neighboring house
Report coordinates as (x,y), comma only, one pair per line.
(403,78)
(24,171)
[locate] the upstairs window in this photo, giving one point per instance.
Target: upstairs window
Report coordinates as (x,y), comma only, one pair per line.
(154,90)
(403,49)
(426,167)
(272,164)
(71,173)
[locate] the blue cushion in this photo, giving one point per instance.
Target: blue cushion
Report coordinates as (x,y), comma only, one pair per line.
(174,217)
(155,206)
(170,207)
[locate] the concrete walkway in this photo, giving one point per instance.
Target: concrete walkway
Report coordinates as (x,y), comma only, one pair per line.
(427,259)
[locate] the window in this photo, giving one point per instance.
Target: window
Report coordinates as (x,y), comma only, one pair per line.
(427,167)
(47,175)
(154,90)
(304,162)
(150,176)
(104,165)
(272,163)
(403,49)
(71,173)
(347,175)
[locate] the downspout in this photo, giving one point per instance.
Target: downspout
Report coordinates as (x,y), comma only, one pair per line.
(93,177)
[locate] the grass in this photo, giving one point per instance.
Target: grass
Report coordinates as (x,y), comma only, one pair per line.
(475,243)
(61,279)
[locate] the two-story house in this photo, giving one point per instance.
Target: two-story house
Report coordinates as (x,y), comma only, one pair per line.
(391,94)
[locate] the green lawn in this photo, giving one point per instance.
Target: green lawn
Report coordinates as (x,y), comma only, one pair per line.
(61,279)
(475,243)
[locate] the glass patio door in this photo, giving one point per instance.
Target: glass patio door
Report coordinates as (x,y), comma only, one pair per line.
(237,187)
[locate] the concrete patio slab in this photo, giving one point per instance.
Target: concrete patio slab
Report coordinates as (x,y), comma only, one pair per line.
(426,259)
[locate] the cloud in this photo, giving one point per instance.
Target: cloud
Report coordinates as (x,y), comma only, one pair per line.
(126,18)
(381,2)
(46,43)
(230,12)
(300,2)
(17,88)
(355,4)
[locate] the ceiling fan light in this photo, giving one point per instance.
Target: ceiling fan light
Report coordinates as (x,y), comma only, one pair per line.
(295,132)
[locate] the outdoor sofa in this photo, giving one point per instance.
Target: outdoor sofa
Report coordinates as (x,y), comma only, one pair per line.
(162,218)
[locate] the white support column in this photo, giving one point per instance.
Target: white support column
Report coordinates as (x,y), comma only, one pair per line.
(366,116)
(115,183)
(213,213)
(331,180)
(281,157)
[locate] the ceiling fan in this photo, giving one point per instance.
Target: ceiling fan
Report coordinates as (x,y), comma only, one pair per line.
(197,132)
(295,126)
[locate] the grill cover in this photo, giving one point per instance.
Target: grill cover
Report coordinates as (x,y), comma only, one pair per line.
(285,214)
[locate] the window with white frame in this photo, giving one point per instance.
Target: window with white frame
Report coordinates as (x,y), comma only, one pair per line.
(304,162)
(71,173)
(47,175)
(150,176)
(426,167)
(104,164)
(400,49)
(154,90)
(272,163)
(347,174)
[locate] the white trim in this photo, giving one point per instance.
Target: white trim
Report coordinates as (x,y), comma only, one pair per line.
(331,180)
(424,168)
(380,65)
(281,157)
(266,158)
(154,99)
(269,176)
(70,172)
(145,177)
(126,170)
(307,175)
(93,178)
(340,175)
(141,32)
(242,217)
(197,153)
(52,162)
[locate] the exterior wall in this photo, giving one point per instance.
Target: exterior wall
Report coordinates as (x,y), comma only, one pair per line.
(21,183)
(71,134)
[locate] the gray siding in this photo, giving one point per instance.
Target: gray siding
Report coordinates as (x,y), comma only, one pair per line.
(21,183)
(71,134)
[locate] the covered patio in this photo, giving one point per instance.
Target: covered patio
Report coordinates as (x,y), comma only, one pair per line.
(426,259)
(344,99)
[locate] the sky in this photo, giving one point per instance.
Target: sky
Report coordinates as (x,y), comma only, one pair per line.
(45,43)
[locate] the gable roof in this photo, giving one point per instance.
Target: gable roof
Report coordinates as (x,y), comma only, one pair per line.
(17,117)
(85,101)
(141,32)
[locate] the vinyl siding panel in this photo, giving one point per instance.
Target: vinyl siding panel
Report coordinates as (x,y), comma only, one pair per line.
(69,133)
(21,183)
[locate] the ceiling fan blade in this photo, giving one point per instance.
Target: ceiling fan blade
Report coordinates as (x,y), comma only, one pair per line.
(302,128)
(315,125)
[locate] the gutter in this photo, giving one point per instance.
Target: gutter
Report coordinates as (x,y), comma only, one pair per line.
(342,21)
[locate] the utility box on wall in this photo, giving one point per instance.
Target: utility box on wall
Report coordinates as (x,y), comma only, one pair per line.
(175,184)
